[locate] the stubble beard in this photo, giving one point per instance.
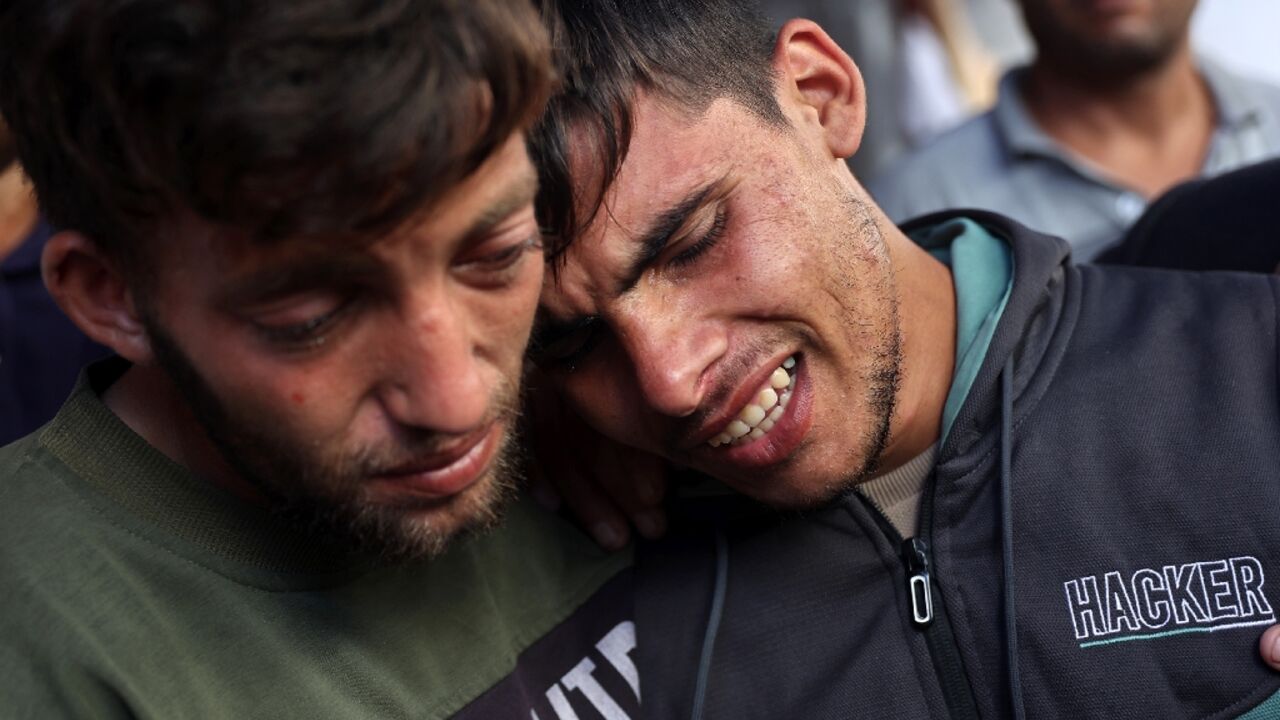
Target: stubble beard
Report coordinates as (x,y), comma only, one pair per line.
(1105,63)
(882,376)
(322,494)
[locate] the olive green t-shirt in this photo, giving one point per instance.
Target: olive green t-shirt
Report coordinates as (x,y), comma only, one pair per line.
(129,588)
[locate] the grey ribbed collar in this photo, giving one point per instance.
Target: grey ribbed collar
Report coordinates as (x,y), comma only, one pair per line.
(897,493)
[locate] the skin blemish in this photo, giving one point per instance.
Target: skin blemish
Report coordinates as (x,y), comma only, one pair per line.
(298,398)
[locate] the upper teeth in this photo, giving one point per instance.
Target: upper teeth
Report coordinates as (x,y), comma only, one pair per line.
(759,416)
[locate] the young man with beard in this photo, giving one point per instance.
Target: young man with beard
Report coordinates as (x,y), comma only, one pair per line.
(307,230)
(1114,110)
(1031,488)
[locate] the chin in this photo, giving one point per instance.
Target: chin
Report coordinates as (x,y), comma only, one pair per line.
(426,529)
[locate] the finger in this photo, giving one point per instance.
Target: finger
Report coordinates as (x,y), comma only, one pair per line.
(1270,646)
(597,513)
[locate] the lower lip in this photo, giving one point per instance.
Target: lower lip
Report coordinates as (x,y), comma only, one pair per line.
(785,436)
(445,482)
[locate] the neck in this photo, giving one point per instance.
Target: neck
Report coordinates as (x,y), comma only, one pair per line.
(927,317)
(146,400)
(1147,132)
(18,211)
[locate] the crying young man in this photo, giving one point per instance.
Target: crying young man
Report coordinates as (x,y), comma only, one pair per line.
(1030,488)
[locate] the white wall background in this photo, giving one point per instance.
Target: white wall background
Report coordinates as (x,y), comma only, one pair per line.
(1242,34)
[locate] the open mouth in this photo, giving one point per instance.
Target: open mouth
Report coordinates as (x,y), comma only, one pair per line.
(757,417)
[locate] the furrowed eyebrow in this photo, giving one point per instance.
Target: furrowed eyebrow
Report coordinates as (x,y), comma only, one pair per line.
(658,235)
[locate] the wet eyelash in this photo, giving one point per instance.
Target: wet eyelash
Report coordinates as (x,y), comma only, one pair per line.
(508,256)
(304,334)
(708,241)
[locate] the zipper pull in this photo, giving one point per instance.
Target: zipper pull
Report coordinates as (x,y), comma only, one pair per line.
(915,553)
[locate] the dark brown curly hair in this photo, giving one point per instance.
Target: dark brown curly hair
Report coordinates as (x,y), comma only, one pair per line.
(279,118)
(689,51)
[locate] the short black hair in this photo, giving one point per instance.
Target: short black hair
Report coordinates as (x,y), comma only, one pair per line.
(690,51)
(278,118)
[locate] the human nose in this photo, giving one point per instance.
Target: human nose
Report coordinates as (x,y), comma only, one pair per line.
(437,381)
(671,354)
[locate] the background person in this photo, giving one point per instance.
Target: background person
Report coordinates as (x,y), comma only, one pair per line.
(41,352)
(1113,110)
(929,63)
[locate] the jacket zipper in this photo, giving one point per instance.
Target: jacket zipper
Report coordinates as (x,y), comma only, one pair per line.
(915,555)
(930,618)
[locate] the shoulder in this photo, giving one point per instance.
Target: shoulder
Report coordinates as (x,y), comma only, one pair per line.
(1181,293)
(1247,102)
(47,568)
(1254,89)
(1151,359)
(53,537)
(1193,326)
(37,505)
(1224,223)
(941,173)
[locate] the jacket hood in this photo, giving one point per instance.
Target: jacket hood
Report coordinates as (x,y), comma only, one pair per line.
(1024,332)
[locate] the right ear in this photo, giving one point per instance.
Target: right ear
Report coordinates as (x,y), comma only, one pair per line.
(816,75)
(89,287)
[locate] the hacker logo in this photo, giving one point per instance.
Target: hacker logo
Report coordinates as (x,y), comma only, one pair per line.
(1176,599)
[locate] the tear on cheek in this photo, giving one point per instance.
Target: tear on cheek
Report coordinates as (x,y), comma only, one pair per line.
(298,398)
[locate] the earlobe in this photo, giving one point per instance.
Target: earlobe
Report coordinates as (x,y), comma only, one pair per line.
(819,77)
(89,287)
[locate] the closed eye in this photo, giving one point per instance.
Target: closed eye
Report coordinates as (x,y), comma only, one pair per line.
(497,267)
(568,346)
(306,334)
(706,242)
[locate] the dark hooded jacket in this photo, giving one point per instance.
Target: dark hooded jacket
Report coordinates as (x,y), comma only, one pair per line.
(1100,537)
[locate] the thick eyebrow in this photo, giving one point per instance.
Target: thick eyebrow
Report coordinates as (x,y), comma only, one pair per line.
(346,269)
(323,271)
(515,196)
(658,235)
